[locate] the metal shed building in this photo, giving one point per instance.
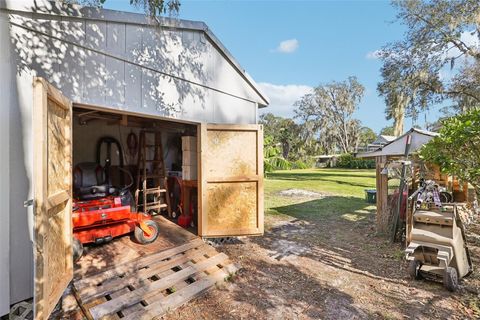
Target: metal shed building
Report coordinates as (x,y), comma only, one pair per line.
(109,61)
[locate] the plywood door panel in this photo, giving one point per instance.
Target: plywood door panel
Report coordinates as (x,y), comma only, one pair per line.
(231,153)
(52,191)
(231,180)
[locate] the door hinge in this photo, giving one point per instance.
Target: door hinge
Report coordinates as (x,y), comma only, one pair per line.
(28,203)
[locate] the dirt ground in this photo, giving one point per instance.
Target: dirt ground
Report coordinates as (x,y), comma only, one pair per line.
(329,269)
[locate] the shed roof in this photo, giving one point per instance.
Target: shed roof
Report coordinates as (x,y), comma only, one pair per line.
(388,138)
(99,14)
(382,139)
(397,146)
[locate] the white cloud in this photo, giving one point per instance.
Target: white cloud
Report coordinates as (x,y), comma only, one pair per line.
(282,97)
(288,46)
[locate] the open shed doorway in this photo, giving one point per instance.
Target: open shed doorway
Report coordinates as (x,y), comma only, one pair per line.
(120,277)
(133,152)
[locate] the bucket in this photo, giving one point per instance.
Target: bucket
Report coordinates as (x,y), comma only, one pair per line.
(371,195)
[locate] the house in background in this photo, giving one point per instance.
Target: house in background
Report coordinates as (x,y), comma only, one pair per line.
(379,142)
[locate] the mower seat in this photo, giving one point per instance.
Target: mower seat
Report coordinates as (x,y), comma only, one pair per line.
(89,182)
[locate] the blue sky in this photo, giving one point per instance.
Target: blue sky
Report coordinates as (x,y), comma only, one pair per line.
(322,41)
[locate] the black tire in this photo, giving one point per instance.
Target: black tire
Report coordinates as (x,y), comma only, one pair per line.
(450,279)
(414,269)
(142,238)
(77,249)
(446,197)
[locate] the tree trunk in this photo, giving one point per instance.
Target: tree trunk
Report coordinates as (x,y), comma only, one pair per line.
(398,124)
(285,150)
(399,115)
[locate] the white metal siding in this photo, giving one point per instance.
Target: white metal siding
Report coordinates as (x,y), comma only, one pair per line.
(127,66)
(6,86)
(16,255)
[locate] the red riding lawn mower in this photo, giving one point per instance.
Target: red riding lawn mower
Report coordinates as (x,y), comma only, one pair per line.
(101,211)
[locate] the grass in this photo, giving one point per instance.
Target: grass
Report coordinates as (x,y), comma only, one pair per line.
(344,189)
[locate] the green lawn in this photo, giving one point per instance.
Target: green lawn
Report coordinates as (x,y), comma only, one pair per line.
(344,189)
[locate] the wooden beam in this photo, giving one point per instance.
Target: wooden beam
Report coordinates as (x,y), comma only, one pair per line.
(382,195)
(124,120)
(84,114)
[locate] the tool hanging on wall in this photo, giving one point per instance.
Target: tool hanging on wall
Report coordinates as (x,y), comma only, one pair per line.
(132,145)
(152,188)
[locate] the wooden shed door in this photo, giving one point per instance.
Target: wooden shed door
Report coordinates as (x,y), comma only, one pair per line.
(52,143)
(231,180)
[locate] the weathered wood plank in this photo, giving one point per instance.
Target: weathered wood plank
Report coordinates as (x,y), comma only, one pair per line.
(152,289)
(178,298)
(139,278)
(132,266)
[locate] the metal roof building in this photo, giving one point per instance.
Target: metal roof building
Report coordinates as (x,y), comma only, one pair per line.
(396,147)
(170,69)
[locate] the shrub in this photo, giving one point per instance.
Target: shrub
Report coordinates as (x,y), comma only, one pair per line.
(299,164)
(348,161)
(272,159)
(457,149)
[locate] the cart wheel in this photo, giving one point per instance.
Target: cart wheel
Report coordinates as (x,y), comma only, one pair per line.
(450,279)
(77,249)
(174,214)
(142,237)
(414,269)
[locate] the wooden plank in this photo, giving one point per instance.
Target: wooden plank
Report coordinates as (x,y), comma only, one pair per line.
(131,267)
(82,306)
(260,173)
(382,195)
(138,278)
(220,179)
(202,185)
(178,298)
(40,166)
(152,289)
(57,199)
(232,127)
(54,95)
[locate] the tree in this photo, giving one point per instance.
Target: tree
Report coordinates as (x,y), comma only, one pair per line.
(401,86)
(422,70)
(467,80)
(329,110)
(152,8)
(367,136)
(284,131)
(457,149)
(295,141)
(272,159)
(156,8)
(387,131)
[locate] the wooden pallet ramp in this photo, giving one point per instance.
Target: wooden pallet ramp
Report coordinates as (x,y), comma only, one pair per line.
(152,285)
